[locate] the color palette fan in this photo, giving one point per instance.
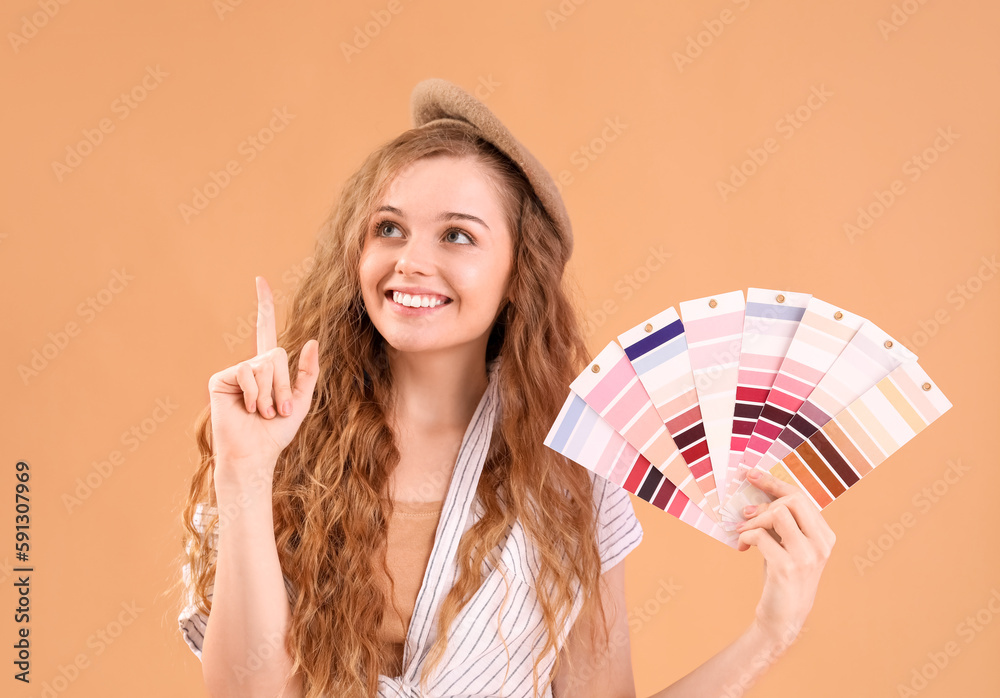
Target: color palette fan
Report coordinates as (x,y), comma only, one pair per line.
(686,403)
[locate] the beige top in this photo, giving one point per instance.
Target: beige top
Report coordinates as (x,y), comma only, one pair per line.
(410,540)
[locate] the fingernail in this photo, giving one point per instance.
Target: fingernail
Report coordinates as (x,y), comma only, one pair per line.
(748,510)
(270,410)
(286,407)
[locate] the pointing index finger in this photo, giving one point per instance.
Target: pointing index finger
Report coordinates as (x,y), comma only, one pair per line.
(267,337)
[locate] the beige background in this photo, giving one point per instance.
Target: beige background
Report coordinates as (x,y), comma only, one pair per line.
(183,304)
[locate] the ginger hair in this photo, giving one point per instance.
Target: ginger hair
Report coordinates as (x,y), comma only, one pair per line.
(330,485)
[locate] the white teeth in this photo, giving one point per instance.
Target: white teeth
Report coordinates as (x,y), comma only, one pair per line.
(416,301)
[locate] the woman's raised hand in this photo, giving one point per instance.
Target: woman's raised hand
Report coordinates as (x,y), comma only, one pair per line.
(796,542)
(255,409)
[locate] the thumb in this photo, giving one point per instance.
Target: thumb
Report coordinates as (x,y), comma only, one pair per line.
(308,374)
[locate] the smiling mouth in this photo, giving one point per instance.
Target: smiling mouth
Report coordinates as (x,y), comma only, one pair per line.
(416,301)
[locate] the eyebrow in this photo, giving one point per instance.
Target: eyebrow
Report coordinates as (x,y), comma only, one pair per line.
(445,216)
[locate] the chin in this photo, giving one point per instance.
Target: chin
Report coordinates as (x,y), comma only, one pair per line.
(410,344)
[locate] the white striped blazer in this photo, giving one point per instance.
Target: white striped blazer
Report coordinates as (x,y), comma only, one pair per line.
(476,663)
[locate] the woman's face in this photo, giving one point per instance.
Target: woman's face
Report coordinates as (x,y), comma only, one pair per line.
(441,238)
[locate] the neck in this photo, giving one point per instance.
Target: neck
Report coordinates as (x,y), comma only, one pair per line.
(436,392)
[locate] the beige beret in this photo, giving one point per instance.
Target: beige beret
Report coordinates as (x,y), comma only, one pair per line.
(435,99)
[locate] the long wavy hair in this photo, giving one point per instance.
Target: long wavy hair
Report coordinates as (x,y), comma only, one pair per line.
(330,485)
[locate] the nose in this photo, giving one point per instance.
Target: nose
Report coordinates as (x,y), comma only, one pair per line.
(416,256)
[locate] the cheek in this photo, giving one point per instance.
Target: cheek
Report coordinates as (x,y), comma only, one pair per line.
(482,285)
(368,273)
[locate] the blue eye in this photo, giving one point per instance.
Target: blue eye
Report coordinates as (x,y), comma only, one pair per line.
(462,232)
(381,225)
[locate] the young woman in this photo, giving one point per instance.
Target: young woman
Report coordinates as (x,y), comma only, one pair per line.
(389,520)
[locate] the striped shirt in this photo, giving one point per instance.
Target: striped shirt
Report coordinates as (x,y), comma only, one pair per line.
(476,662)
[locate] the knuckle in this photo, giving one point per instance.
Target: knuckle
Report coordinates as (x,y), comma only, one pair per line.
(242,373)
(786,569)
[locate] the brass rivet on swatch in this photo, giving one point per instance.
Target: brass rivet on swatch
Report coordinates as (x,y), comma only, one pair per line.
(648,327)
(926,386)
(595,368)
(838,315)
(780,298)
(888,344)
(712,303)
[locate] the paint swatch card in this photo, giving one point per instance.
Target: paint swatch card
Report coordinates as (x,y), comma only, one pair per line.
(714,328)
(770,322)
(658,351)
(776,380)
